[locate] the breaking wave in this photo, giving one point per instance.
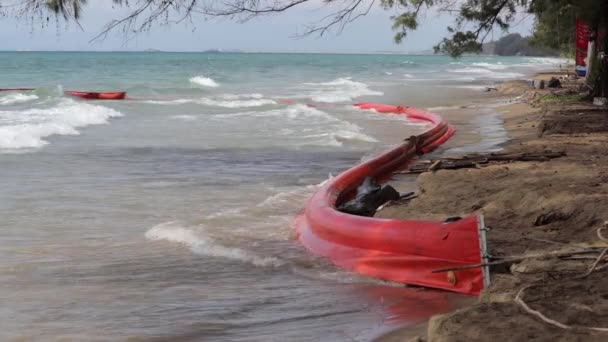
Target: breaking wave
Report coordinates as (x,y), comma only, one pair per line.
(204,81)
(202,244)
(28,128)
(16,98)
(316,127)
(339,90)
(225,101)
(235,103)
(495,66)
(485,73)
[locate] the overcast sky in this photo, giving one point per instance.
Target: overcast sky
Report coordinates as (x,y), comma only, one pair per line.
(271,33)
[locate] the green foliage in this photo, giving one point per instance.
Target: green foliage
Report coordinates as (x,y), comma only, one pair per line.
(68,8)
(459,43)
(516,45)
(554,28)
(562,98)
(474,19)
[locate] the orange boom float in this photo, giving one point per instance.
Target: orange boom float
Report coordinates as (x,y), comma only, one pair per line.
(91,95)
(394,250)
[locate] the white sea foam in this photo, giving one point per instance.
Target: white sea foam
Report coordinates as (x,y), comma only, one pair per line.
(318,127)
(204,81)
(169,102)
(225,101)
(235,103)
(549,60)
(486,73)
(408,76)
(288,198)
(203,244)
(339,90)
(28,128)
(184,117)
(16,98)
(491,66)
(241,96)
(442,108)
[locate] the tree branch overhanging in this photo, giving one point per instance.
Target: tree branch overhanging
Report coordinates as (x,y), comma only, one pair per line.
(475,19)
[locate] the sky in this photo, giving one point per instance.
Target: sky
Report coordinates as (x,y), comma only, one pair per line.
(275,33)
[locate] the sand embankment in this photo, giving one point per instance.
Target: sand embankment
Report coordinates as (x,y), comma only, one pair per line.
(534,208)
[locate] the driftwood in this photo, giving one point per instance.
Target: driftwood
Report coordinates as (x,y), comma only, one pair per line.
(519,298)
(475,160)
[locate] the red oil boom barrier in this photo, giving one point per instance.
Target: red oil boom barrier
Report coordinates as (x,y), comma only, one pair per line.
(395,250)
(93,95)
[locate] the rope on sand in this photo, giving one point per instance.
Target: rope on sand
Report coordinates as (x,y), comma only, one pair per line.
(519,297)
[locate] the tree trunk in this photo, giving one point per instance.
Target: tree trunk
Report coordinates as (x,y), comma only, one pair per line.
(601,49)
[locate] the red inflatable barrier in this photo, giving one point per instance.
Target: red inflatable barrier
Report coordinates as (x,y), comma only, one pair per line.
(91,95)
(381,108)
(394,250)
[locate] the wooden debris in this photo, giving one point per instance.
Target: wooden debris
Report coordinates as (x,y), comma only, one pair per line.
(435,166)
(476,160)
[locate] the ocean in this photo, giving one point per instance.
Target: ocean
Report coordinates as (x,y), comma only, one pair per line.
(167,216)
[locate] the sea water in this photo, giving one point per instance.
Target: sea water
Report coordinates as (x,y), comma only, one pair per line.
(168,215)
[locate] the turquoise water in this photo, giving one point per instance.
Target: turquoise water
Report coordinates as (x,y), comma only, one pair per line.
(167,215)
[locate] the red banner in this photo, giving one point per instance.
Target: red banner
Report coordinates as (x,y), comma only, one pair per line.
(581,43)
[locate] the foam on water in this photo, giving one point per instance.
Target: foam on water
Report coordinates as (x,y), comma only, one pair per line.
(485,73)
(225,101)
(169,102)
(235,103)
(342,89)
(202,244)
(491,66)
(184,117)
(317,127)
(241,96)
(204,81)
(288,198)
(16,98)
(28,128)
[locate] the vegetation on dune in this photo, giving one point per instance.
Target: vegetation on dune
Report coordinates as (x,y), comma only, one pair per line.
(562,98)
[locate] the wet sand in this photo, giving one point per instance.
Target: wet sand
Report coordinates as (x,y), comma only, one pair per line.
(534,208)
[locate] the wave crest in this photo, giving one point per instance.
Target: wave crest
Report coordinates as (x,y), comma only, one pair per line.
(201,244)
(204,81)
(28,128)
(342,89)
(16,98)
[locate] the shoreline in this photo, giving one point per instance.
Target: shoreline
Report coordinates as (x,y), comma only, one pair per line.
(519,194)
(462,116)
(520,120)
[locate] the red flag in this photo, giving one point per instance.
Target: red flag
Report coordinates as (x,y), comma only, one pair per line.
(581,44)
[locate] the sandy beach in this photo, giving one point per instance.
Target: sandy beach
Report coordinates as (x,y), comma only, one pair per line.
(545,212)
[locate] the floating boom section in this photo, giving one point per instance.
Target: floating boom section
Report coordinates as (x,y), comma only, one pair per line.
(92,95)
(394,250)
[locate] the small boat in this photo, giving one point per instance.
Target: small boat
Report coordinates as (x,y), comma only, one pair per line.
(92,95)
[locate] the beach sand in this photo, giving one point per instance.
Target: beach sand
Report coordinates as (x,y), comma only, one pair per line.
(533,208)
